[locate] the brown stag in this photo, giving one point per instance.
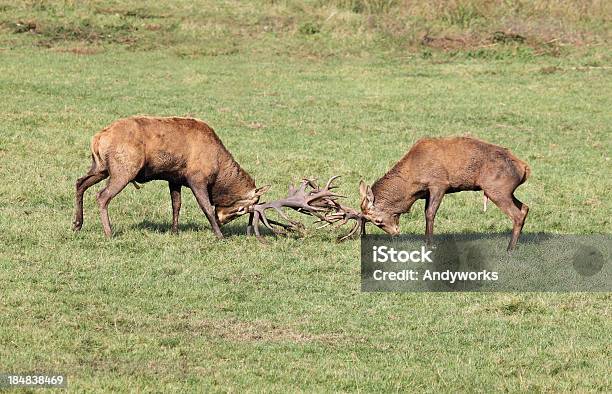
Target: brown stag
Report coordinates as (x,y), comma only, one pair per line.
(187,152)
(183,152)
(436,166)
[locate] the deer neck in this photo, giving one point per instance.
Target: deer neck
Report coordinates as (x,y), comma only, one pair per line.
(231,184)
(394,193)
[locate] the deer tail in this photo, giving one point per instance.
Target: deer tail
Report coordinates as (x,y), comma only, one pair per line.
(527,173)
(521,165)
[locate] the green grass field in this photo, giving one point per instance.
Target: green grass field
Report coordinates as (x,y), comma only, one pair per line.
(149,311)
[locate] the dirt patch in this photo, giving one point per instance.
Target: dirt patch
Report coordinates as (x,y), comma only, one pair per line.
(29,26)
(543,39)
(52,32)
(503,37)
(448,43)
(81,50)
(140,13)
(153,27)
(550,70)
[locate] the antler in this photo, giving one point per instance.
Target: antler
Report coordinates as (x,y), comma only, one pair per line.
(341,216)
(315,202)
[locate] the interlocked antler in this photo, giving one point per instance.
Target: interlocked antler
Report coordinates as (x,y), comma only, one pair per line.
(315,202)
(341,216)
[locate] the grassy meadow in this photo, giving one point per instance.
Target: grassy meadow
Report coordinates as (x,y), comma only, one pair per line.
(295,89)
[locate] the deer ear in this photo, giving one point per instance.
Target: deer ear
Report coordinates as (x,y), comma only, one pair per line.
(366,192)
(261,190)
(362,189)
(370,195)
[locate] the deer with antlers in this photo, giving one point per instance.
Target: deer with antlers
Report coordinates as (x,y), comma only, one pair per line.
(186,152)
(434,167)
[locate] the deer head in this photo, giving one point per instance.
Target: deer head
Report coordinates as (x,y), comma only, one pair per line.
(375,213)
(226,214)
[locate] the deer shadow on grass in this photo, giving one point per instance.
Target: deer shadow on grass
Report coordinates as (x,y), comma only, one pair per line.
(466,237)
(526,238)
(492,242)
(229,230)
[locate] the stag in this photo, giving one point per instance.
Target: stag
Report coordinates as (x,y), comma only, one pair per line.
(185,152)
(435,167)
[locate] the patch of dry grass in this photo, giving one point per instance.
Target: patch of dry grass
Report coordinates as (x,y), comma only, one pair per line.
(312,28)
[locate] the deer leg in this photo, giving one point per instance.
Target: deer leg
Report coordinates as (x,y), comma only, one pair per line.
(113,187)
(175,196)
(363,227)
(516,230)
(83,184)
(201,194)
(250,225)
(256,225)
(516,211)
(256,217)
(432,203)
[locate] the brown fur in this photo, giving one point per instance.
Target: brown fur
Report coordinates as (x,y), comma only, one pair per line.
(181,151)
(434,167)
